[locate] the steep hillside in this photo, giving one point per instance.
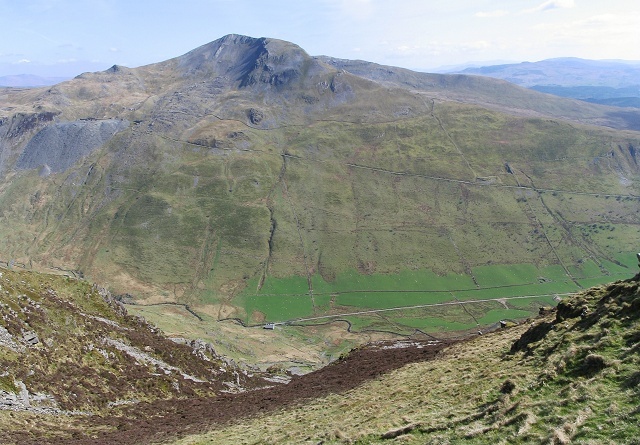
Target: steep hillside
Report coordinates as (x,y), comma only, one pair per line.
(570,376)
(257,184)
(68,348)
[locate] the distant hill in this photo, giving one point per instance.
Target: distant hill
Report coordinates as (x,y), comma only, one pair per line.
(607,82)
(29,81)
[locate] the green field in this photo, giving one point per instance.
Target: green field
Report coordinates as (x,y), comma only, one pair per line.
(421,299)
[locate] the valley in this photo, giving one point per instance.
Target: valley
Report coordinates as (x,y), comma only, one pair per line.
(246,236)
(256,184)
(570,374)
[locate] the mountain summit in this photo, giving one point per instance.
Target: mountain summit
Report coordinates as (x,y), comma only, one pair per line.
(250,61)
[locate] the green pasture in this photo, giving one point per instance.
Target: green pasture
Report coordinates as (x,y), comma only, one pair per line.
(288,298)
(280,307)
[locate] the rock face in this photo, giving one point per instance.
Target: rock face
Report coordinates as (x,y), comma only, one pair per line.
(63,144)
(248,61)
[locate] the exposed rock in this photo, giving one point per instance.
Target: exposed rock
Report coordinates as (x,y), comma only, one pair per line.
(58,146)
(23,400)
(146,358)
(22,123)
(255,116)
(7,341)
(31,338)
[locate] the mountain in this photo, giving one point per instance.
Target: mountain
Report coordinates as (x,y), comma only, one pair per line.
(257,184)
(608,82)
(566,72)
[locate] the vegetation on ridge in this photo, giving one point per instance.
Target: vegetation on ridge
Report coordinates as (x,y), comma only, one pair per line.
(72,348)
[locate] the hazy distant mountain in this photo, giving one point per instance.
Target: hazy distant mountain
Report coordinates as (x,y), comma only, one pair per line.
(565,72)
(609,82)
(29,80)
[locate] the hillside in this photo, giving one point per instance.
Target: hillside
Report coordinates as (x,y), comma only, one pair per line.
(69,349)
(255,183)
(570,375)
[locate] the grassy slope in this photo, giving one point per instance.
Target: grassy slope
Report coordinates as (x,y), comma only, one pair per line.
(374,182)
(172,221)
(572,378)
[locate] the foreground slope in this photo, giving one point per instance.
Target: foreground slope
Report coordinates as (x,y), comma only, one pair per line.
(256,184)
(569,376)
(68,348)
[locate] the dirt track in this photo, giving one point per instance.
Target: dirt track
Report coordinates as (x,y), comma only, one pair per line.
(159,421)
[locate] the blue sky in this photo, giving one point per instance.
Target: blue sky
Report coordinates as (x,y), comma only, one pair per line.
(67,37)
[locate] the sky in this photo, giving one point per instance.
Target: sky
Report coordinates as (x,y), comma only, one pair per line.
(68,37)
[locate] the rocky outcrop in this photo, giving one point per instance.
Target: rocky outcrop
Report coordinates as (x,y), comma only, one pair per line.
(245,62)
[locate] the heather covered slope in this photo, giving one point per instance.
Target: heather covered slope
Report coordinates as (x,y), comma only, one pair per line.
(67,346)
(95,376)
(570,376)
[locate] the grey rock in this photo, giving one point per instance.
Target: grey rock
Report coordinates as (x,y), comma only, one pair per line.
(58,146)
(31,338)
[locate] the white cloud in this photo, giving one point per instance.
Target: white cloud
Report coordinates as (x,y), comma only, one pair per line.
(437,48)
(113,49)
(491,14)
(550,5)
(609,35)
(21,61)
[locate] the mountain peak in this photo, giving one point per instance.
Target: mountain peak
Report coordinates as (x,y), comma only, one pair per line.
(247,60)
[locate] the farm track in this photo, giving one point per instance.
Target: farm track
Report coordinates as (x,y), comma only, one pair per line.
(163,420)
